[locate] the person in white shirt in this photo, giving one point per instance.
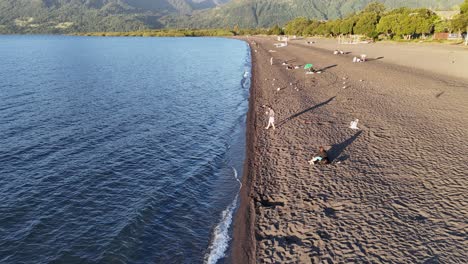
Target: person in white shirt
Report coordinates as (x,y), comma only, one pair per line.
(271,118)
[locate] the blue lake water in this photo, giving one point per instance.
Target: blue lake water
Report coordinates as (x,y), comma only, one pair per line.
(120,150)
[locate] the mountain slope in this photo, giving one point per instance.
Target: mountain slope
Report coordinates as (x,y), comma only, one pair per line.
(62,16)
(266,13)
(31,16)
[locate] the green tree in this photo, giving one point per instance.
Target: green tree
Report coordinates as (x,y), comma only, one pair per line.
(425,22)
(276,30)
(442,25)
(347,25)
(464,7)
(296,26)
(366,24)
(374,7)
(388,24)
(460,22)
(334,26)
(235,30)
(311,29)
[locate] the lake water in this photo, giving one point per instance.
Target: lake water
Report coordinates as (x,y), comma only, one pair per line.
(120,150)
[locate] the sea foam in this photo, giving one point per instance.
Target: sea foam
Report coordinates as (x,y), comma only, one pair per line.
(220,242)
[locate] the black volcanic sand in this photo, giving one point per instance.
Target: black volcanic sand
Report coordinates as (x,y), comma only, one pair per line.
(396,190)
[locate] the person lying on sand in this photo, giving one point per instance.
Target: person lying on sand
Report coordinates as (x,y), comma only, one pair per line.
(338,52)
(271,118)
(321,158)
(363,57)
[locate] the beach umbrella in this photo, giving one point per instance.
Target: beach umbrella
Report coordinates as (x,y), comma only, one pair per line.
(308,66)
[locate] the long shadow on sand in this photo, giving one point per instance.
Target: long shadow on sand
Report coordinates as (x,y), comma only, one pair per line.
(328,67)
(335,152)
(373,59)
(282,122)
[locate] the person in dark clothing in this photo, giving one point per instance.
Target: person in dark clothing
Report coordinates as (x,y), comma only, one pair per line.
(321,158)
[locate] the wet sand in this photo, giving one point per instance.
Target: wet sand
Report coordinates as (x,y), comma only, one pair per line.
(396,190)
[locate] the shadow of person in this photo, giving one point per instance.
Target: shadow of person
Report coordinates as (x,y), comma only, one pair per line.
(439,94)
(328,67)
(373,59)
(282,122)
(334,153)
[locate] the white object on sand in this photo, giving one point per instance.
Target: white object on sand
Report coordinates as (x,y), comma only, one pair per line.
(356,59)
(353,124)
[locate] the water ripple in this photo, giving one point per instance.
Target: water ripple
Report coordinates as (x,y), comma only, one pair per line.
(115,152)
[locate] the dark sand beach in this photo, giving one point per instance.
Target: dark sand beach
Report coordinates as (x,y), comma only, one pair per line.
(396,191)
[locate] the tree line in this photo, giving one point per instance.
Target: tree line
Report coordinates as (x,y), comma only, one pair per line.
(375,21)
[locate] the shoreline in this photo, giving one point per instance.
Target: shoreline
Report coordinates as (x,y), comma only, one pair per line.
(291,212)
(243,235)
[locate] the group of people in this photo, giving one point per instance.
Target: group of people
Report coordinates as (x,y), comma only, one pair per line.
(362,58)
(321,157)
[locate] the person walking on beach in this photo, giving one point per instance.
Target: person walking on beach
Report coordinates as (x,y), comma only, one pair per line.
(271,118)
(321,158)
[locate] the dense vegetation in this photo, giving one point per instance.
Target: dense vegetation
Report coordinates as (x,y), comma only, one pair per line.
(62,16)
(401,23)
(226,32)
(266,13)
(165,33)
(65,16)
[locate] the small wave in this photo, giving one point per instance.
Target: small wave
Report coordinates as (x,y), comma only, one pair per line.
(221,237)
(245,82)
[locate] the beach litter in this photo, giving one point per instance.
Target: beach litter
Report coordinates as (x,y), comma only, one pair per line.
(353,124)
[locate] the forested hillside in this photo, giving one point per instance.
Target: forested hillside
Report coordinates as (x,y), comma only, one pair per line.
(63,16)
(50,16)
(266,13)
